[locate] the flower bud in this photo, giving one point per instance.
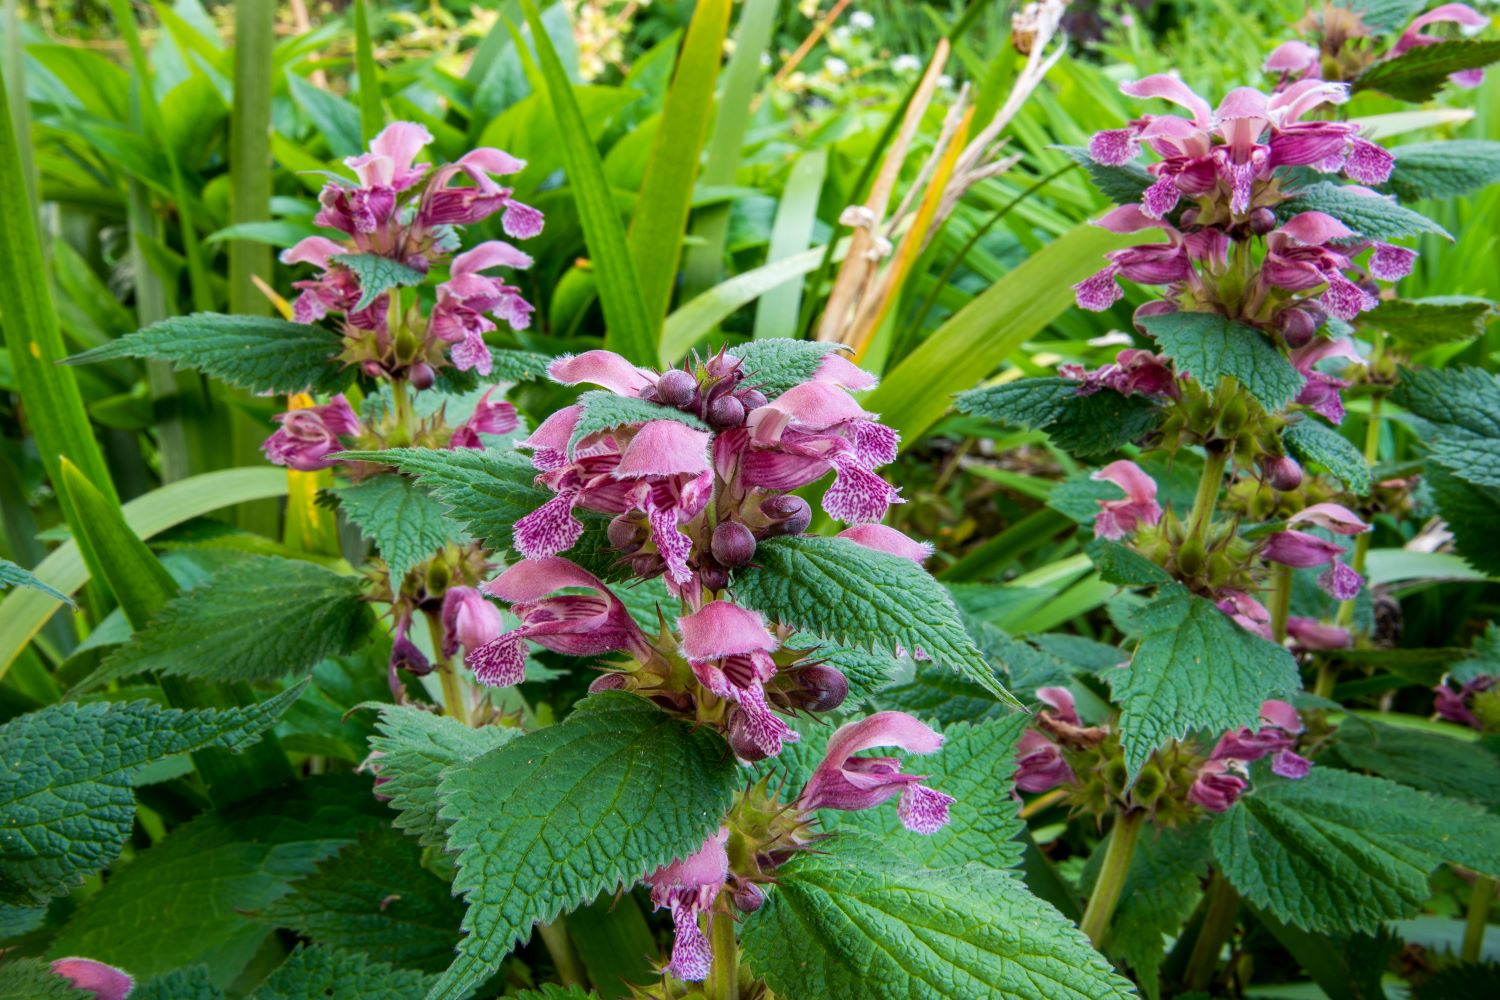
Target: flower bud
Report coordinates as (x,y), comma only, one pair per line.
(646,565)
(625,534)
(732,544)
(607,682)
(714,577)
(753,399)
(748,897)
(1282,472)
(421,375)
(726,412)
(1297,327)
(791,513)
(373,369)
(820,688)
(676,388)
(1262,221)
(741,740)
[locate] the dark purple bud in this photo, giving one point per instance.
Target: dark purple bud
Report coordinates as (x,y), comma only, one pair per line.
(607,682)
(1262,221)
(733,544)
(714,577)
(373,369)
(647,565)
(1189,217)
(820,688)
(421,375)
(741,740)
(1297,327)
(748,897)
(1281,472)
(753,399)
(791,513)
(726,412)
(676,388)
(625,534)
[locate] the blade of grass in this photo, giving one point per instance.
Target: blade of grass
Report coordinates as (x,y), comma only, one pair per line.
(791,232)
(661,210)
(629,331)
(704,261)
(15,84)
(371,116)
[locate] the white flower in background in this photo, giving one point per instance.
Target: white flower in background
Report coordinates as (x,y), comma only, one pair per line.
(765,60)
(861,21)
(945,81)
(906,63)
(840,34)
(835,67)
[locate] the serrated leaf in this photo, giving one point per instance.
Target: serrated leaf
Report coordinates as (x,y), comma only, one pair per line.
(375,897)
(191,983)
(866,670)
(975,766)
(1471,513)
(851,925)
(1371,216)
(182,901)
(1425,760)
(1122,184)
(1123,565)
(939,695)
(331,974)
(1383,16)
(843,591)
(602,410)
(12,575)
(551,991)
(1161,891)
(1194,669)
(1208,346)
(416,747)
(509,365)
(1429,322)
(594,803)
(1464,403)
(1339,851)
(251,352)
(776,364)
(1310,440)
(66,803)
(1419,73)
(1083,425)
(406,524)
(33,979)
(256,619)
(377,275)
(1447,169)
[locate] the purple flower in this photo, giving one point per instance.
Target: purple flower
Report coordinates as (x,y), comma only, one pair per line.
(104,981)
(1276,738)
(1309,633)
(487,418)
(308,436)
(1468,20)
(390,163)
(443,205)
(459,318)
(1455,706)
(1321,391)
(573,624)
(468,620)
(1246,612)
(405,655)
(1215,788)
(1296,59)
(730,650)
(688,886)
(1150,263)
(1040,766)
(843,781)
(1134,371)
(1302,550)
(1299,549)
(1302,255)
(1118,518)
(1330,517)
(335,290)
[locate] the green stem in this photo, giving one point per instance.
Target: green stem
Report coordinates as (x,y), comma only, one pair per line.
(1207,497)
(1281,601)
(555,937)
(1106,894)
(1362,543)
(1218,924)
(401,434)
(454,705)
(1480,902)
(724,976)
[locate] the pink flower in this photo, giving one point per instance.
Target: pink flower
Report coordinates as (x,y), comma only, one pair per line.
(1299,549)
(604,368)
(465,299)
(1468,20)
(843,781)
(887,539)
(1118,518)
(1246,612)
(487,418)
(1293,58)
(443,205)
(1321,391)
(1302,550)
(1455,706)
(105,981)
(730,650)
(1040,765)
(573,624)
(1302,255)
(390,161)
(1215,788)
(468,620)
(1133,372)
(1330,517)
(688,886)
(1276,738)
(308,436)
(1150,263)
(1309,633)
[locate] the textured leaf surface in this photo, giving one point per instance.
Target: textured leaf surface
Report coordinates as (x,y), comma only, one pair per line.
(1464,399)
(778,363)
(937,694)
(842,591)
(852,925)
(517,366)
(66,805)
(1442,319)
(33,979)
(866,670)
(1371,217)
(377,275)
(547,822)
(405,522)
(1161,890)
(1429,761)
(191,983)
(375,897)
(1194,669)
(330,974)
(416,747)
(183,901)
(1471,513)
(1084,425)
(1341,851)
(1208,346)
(1419,73)
(1123,565)
(12,575)
(603,410)
(252,352)
(1122,185)
(1311,440)
(258,618)
(1448,169)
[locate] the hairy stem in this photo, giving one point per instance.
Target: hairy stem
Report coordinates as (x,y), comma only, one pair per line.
(1218,924)
(1480,902)
(555,937)
(1106,894)
(1281,601)
(724,977)
(1207,497)
(454,705)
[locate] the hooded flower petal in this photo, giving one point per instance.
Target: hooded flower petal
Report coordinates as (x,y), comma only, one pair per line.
(843,781)
(887,539)
(1299,549)
(604,368)
(1331,517)
(721,629)
(664,448)
(1170,88)
(1118,518)
(105,981)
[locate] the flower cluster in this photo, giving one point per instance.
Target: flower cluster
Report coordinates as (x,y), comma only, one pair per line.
(1346,46)
(1221,778)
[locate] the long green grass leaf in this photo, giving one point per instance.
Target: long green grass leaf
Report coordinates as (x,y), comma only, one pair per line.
(776,316)
(250,151)
(371,115)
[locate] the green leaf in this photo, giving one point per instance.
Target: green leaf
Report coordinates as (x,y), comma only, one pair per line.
(256,619)
(235,860)
(377,275)
(416,747)
(866,670)
(1371,217)
(843,591)
(594,803)
(552,991)
(33,979)
(631,330)
(848,924)
(1429,322)
(1083,425)
(602,410)
(66,805)
(406,524)
(1384,16)
(1448,169)
(1340,851)
(1125,566)
(1194,669)
(331,974)
(191,983)
(371,114)
(1122,185)
(375,897)
(694,319)
(335,118)
(1419,73)
(517,366)
(12,575)
(976,766)
(251,352)
(1311,440)
(1208,346)
(1463,399)
(1161,891)
(776,364)
(1425,760)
